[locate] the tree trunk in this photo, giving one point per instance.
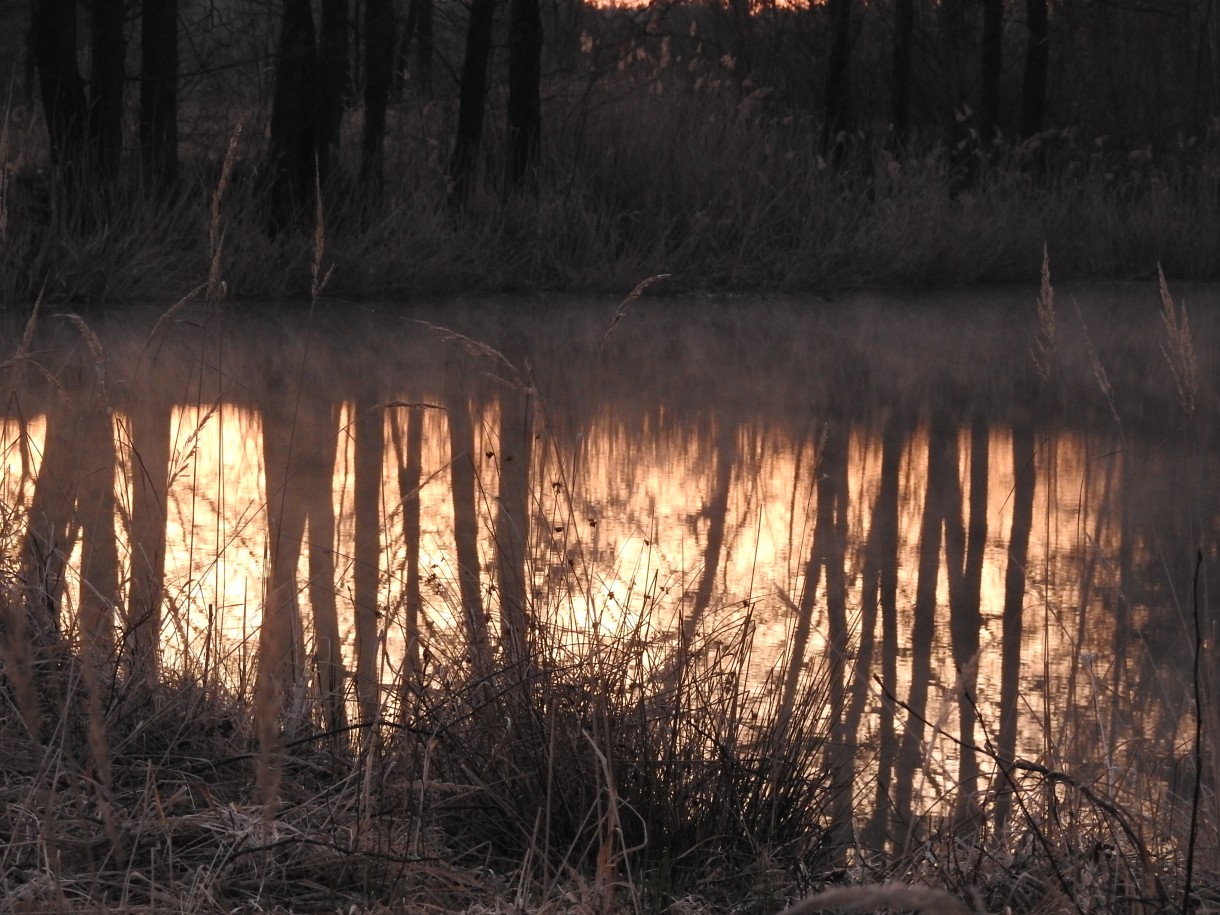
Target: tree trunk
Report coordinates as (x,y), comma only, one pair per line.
(334,79)
(378,76)
(50,530)
(29,626)
(1037,62)
(281,661)
(63,90)
(424,46)
(106,87)
(294,127)
(741,43)
(830,538)
(838,76)
(904,40)
(966,620)
(881,567)
(512,521)
(954,38)
(1025,472)
(717,512)
(466,525)
(418,27)
(159,91)
(1213,44)
(370,452)
(149,458)
(95,511)
(992,59)
(472,99)
(320,432)
(910,758)
(408,446)
(524,89)
(299,439)
(402,60)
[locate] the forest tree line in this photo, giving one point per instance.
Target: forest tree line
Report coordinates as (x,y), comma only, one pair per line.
(417,104)
(314,82)
(1156,60)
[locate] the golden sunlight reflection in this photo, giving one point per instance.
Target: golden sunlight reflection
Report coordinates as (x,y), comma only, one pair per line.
(939,570)
(216,537)
(21,447)
(631,532)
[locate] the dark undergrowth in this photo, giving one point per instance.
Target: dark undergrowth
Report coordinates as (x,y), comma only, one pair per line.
(719,192)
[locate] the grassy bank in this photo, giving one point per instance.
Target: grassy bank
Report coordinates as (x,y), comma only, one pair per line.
(713,187)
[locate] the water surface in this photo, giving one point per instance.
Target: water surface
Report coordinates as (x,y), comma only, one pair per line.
(984,531)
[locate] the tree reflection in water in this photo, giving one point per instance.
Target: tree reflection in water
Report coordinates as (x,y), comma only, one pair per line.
(968,567)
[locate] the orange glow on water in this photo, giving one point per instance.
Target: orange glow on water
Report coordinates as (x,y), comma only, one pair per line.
(643,522)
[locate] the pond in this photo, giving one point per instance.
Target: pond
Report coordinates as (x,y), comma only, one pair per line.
(986,530)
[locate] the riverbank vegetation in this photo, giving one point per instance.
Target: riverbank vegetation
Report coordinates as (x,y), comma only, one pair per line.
(688,139)
(691,203)
(615,736)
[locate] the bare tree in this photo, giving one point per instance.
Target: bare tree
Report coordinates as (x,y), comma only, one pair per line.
(1037,63)
(418,27)
(991,67)
(106,86)
(472,98)
(294,116)
(513,521)
(904,40)
(1025,473)
(63,90)
(838,76)
(524,89)
(159,90)
(466,521)
(334,79)
(149,457)
(378,76)
(369,458)
(408,446)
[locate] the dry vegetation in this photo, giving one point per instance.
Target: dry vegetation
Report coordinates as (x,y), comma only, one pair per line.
(656,160)
(618,769)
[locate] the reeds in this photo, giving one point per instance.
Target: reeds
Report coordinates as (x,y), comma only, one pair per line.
(602,757)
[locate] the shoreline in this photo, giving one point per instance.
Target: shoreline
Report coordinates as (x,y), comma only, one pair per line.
(818,233)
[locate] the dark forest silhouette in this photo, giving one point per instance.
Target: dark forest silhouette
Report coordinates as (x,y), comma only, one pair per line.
(520,146)
(918,69)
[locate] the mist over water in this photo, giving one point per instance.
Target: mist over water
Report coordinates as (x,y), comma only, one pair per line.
(980,535)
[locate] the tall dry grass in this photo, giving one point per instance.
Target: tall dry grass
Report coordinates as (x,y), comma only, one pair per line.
(606,765)
(648,171)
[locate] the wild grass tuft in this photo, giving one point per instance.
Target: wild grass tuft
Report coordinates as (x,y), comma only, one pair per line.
(1178,347)
(216,287)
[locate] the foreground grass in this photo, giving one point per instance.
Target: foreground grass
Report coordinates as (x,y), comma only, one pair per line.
(559,782)
(566,789)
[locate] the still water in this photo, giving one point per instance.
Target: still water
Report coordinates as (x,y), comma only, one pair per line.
(1005,526)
